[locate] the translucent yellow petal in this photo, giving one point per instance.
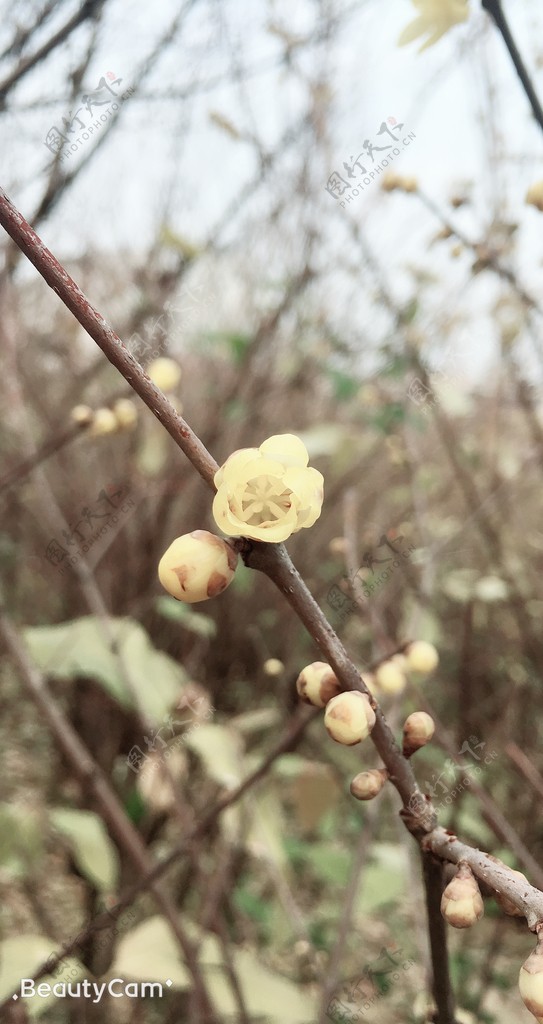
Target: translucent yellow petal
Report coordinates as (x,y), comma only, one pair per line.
(225,519)
(273,533)
(234,461)
(286,448)
(413,30)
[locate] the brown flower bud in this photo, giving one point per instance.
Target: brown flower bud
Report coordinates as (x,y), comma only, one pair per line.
(461,902)
(349,717)
(196,566)
(317,684)
(367,785)
(417,732)
(530,980)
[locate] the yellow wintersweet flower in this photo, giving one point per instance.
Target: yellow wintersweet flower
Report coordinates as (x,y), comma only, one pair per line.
(436,18)
(268,493)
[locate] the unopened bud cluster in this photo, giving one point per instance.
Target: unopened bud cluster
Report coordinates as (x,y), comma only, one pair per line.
(391,182)
(123,415)
(197,566)
(461,902)
(348,718)
(390,677)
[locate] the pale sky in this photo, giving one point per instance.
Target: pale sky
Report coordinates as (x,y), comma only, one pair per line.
(168,150)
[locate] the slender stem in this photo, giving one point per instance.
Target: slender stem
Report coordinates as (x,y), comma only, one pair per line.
(437,931)
(274,561)
(91,776)
(185,847)
(91,320)
(495,9)
(492,872)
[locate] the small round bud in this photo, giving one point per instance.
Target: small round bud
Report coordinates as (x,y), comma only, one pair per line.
(421,657)
(530,980)
(390,678)
(126,413)
(461,902)
(197,566)
(104,421)
(165,373)
(389,181)
(367,785)
(82,415)
(338,545)
(417,732)
(273,667)
(408,184)
(317,684)
(349,717)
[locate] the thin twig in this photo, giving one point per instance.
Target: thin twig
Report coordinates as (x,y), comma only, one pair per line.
(90,774)
(494,8)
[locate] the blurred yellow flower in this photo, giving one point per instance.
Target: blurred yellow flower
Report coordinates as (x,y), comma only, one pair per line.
(436,18)
(534,195)
(268,493)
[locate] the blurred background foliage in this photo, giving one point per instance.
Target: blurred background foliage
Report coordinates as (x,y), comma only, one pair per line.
(371,362)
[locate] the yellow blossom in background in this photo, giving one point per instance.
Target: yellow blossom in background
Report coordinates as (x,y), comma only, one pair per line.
(534,195)
(436,17)
(165,373)
(268,493)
